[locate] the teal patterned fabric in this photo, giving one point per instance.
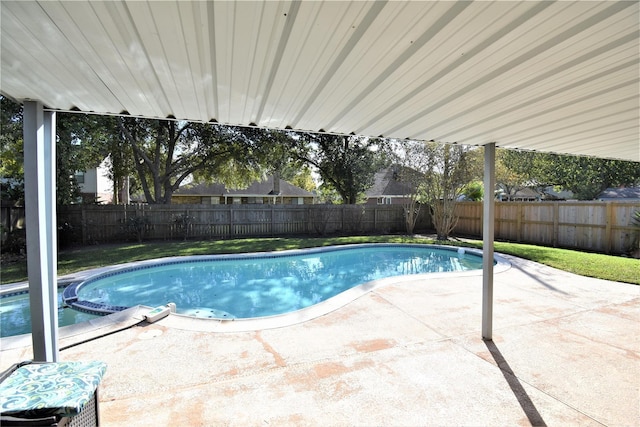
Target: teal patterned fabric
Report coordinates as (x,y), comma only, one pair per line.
(43,389)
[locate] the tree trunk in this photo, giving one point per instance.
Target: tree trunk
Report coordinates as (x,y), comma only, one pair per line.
(444,218)
(411,211)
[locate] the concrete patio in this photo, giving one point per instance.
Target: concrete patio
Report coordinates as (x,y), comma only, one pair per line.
(566,351)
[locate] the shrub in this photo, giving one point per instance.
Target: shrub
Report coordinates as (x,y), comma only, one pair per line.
(184,224)
(635,242)
(137,225)
(16,243)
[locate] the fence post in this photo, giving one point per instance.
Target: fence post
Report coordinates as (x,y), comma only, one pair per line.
(610,212)
(375,218)
(7,220)
(481,222)
(519,222)
(272,231)
(83,224)
(497,224)
(556,221)
(188,225)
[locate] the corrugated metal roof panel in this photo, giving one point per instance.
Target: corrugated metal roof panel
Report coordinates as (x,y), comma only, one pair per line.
(551,76)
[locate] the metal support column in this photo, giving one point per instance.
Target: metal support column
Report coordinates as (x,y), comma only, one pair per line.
(488,214)
(40,212)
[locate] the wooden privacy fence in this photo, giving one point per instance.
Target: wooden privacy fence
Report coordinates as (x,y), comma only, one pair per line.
(87,224)
(11,219)
(594,226)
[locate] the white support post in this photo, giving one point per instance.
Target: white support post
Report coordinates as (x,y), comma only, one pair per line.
(487,240)
(39,132)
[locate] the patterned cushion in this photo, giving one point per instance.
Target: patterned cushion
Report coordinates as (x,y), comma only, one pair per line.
(40,389)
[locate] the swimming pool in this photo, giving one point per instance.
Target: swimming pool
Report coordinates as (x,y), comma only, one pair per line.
(260,285)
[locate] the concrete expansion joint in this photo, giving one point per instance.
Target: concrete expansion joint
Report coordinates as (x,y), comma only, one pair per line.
(516,382)
(578,311)
(409,315)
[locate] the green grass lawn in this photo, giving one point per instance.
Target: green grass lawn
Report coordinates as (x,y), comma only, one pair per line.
(607,267)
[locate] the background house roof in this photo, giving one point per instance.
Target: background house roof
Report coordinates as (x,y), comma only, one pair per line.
(387,183)
(630,193)
(257,188)
(549,76)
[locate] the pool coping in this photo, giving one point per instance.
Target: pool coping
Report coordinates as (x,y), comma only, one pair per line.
(185,322)
(84,331)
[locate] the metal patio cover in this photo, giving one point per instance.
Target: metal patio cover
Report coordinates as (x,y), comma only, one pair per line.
(549,76)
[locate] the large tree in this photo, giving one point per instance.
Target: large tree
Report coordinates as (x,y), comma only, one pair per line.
(437,175)
(121,166)
(277,150)
(167,153)
(513,172)
(81,144)
(84,140)
(11,150)
(448,169)
(410,163)
(346,164)
(586,177)
(453,167)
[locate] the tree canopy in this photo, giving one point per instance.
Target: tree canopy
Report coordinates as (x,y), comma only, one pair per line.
(586,177)
(82,142)
(278,151)
(451,168)
(11,150)
(167,153)
(438,174)
(346,164)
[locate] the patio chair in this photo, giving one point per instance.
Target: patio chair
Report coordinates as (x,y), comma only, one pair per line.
(29,394)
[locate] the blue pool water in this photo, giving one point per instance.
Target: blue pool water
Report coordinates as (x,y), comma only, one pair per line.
(257,286)
(15,316)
